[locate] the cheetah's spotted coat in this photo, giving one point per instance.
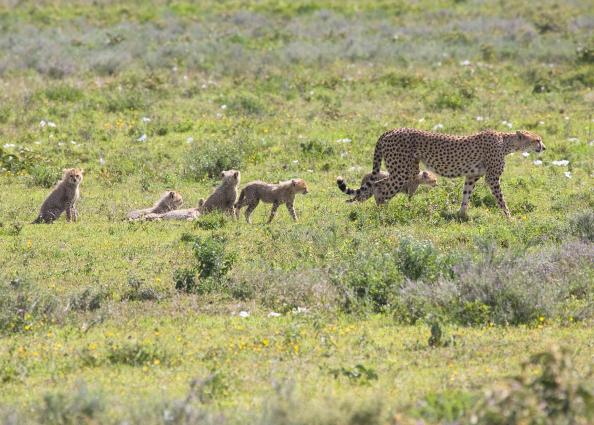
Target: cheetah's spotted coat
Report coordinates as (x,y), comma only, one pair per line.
(473,156)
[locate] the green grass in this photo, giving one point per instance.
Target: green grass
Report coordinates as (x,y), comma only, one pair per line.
(90,317)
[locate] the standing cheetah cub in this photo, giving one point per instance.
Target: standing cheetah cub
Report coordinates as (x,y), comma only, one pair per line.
(63,198)
(224,196)
(275,194)
(424,177)
(170,200)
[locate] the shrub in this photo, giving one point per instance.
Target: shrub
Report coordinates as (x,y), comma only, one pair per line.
(43,176)
(185,280)
(557,395)
(136,353)
(138,291)
(62,409)
(582,225)
(214,261)
(210,158)
(63,93)
(421,261)
(89,299)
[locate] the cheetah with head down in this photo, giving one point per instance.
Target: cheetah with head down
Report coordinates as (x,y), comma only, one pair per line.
(473,156)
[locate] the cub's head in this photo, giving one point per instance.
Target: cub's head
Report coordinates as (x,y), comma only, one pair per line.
(171,199)
(529,141)
(427,177)
(231,176)
(73,176)
(299,186)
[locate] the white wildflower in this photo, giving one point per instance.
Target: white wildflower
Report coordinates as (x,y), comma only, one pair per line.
(295,161)
(223,106)
(573,139)
(560,162)
(51,124)
(274,314)
(465,63)
(525,154)
(142,138)
(190,139)
(146,119)
(345,140)
(479,118)
(101,161)
(244,314)
(567,174)
(438,127)
(9,145)
(310,171)
(42,123)
(422,119)
(541,123)
(72,142)
(537,162)
(301,310)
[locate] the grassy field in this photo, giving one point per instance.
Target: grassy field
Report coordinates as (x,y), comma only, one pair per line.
(356,313)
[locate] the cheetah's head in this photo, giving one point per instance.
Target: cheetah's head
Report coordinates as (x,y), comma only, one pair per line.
(231,176)
(427,177)
(173,199)
(528,140)
(73,176)
(299,186)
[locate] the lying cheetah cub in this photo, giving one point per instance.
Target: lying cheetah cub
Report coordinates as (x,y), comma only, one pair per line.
(276,194)
(63,198)
(170,200)
(187,214)
(424,177)
(224,196)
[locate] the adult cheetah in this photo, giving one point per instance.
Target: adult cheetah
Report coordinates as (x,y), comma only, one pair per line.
(473,156)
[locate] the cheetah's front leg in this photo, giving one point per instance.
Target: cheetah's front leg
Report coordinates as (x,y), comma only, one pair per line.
(68,212)
(291,209)
(275,206)
(493,182)
(468,188)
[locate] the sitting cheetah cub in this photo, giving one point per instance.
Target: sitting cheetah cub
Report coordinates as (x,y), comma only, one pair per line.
(170,200)
(187,214)
(224,196)
(276,194)
(424,177)
(63,198)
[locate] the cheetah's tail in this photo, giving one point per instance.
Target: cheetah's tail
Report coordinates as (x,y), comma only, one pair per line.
(343,187)
(240,199)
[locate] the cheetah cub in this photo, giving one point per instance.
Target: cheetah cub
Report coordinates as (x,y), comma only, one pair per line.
(224,196)
(187,214)
(424,177)
(63,198)
(170,200)
(275,194)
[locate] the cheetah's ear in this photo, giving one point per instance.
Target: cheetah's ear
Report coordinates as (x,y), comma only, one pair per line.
(521,136)
(235,174)
(293,182)
(172,194)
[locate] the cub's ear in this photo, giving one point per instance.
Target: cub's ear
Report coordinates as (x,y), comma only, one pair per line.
(294,182)
(425,174)
(222,174)
(172,194)
(235,174)
(520,135)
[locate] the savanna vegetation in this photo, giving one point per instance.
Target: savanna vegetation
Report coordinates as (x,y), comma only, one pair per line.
(356,314)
